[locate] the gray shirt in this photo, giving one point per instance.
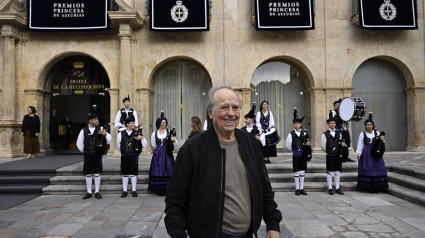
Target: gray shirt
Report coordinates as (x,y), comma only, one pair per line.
(237,196)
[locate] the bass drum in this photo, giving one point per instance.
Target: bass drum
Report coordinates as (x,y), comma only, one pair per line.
(352,109)
(271,137)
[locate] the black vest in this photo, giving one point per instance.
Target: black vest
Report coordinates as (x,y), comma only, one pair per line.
(91,141)
(338,120)
(332,143)
(128,142)
(367,140)
(297,142)
(254,130)
(124,114)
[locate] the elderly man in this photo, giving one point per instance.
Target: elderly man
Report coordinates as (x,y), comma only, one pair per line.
(220,185)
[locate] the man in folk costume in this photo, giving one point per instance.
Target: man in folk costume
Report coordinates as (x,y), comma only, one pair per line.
(123,113)
(295,142)
(331,144)
(87,142)
(127,142)
(342,126)
(251,127)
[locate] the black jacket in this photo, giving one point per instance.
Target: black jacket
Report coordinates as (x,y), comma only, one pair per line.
(31,124)
(195,194)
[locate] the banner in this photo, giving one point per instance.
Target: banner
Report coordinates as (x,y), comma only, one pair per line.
(180,15)
(388,14)
(284,14)
(63,15)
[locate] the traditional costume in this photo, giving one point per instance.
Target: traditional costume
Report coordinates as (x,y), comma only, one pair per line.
(88,142)
(264,121)
(128,146)
(253,129)
(162,163)
(123,113)
(342,127)
(330,143)
(30,127)
(295,141)
(372,174)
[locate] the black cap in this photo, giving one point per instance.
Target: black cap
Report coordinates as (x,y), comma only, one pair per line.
(126,98)
(251,113)
(93,113)
(338,101)
(331,117)
(296,119)
(130,119)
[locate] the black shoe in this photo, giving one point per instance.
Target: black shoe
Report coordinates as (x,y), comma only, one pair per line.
(297,192)
(339,191)
(88,195)
(124,194)
(134,194)
(331,192)
(98,196)
(350,160)
(303,192)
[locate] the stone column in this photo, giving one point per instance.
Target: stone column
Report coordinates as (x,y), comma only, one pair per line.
(318,116)
(125,34)
(143,101)
(113,93)
(415,119)
(10,139)
(245,94)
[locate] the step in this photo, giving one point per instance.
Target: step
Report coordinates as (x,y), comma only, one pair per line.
(411,171)
(81,189)
(68,171)
(21,189)
(312,186)
(406,181)
(311,177)
(407,193)
(25,179)
(311,168)
(105,179)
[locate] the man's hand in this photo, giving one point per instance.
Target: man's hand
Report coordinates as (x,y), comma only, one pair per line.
(36,134)
(122,126)
(273,234)
(103,132)
(173,139)
(382,138)
(308,143)
(358,157)
(343,144)
(257,137)
(139,137)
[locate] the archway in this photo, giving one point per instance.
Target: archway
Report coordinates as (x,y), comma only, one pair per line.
(180,89)
(284,87)
(382,85)
(76,83)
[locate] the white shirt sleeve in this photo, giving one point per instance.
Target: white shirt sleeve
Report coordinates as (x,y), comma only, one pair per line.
(117,123)
(323,142)
(108,138)
(119,141)
(153,142)
(80,141)
(360,144)
(135,118)
(205,125)
(144,143)
(289,141)
(257,120)
(271,122)
(263,140)
(175,142)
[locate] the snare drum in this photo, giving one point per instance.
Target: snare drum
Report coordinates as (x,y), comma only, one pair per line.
(272,137)
(352,109)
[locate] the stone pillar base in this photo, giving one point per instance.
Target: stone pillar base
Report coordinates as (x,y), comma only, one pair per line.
(11,140)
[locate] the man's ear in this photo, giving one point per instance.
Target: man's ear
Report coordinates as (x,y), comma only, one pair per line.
(210,114)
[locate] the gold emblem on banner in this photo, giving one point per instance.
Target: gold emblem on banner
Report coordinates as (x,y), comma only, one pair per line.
(78,64)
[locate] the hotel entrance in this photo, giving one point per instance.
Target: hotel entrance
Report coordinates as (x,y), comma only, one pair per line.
(77,83)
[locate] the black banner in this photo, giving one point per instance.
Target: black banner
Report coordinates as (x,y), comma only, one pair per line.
(388,14)
(284,14)
(63,15)
(179,15)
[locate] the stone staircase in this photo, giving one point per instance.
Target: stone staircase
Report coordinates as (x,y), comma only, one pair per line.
(407,182)
(24,182)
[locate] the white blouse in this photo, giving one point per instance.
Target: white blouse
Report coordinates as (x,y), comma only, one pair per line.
(360,142)
(258,117)
(160,136)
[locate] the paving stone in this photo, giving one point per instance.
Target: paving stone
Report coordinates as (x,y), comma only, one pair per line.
(46,217)
(32,232)
(139,228)
(94,232)
(331,219)
(375,228)
(34,224)
(146,216)
(308,228)
(374,201)
(4,224)
(10,232)
(354,234)
(65,230)
(416,222)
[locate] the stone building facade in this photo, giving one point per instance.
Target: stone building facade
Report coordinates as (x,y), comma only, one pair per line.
(326,58)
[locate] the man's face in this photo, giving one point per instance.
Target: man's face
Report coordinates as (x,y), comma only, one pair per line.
(127,104)
(248,121)
(297,126)
(336,106)
(131,125)
(54,111)
(94,122)
(332,124)
(227,112)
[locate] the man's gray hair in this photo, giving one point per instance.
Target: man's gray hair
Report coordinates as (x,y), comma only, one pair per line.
(210,103)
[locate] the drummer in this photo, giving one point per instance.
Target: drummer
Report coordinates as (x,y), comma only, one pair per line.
(342,126)
(265,121)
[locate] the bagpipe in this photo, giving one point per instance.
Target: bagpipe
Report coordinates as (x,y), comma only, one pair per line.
(378,148)
(139,146)
(307,152)
(102,147)
(343,150)
(169,142)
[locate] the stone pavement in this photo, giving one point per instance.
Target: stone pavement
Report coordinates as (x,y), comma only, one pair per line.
(355,214)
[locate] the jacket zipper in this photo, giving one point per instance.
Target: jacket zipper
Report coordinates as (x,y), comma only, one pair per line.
(223,156)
